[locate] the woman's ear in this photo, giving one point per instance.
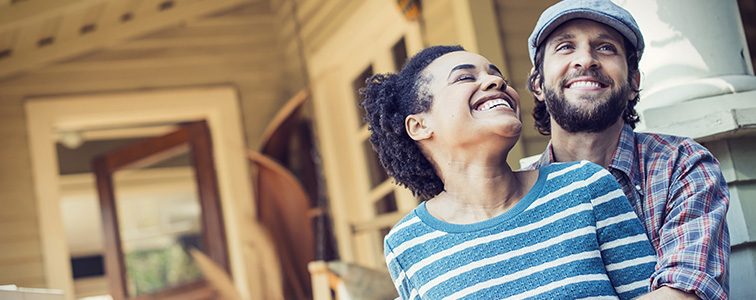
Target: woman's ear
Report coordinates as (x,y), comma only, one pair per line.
(536,85)
(417,127)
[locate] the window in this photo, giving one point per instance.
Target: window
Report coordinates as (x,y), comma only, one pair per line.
(399,53)
(381,195)
(364,201)
(357,84)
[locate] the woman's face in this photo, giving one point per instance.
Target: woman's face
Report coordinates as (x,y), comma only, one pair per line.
(471,100)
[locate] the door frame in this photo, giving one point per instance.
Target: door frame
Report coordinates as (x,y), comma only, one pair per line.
(216,104)
(194,138)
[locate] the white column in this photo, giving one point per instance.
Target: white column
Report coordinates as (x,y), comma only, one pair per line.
(697,80)
(695,54)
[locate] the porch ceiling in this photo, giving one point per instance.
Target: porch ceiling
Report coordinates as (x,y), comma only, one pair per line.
(34,33)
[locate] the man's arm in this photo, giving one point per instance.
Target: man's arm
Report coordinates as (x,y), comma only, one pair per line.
(693,245)
(668,293)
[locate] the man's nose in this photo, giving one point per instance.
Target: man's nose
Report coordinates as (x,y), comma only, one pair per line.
(585,58)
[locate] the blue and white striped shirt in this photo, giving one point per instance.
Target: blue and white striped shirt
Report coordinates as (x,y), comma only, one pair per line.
(574,235)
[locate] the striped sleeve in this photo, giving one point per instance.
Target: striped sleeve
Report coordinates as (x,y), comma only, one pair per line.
(627,254)
(398,276)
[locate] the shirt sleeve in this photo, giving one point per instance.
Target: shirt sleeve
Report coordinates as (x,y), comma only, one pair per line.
(627,254)
(401,282)
(694,242)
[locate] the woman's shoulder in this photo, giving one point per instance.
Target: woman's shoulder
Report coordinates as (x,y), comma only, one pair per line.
(574,167)
(580,175)
(406,228)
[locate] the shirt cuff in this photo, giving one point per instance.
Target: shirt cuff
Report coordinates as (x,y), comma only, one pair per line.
(690,281)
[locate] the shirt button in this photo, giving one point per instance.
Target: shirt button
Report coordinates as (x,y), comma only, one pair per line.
(638,187)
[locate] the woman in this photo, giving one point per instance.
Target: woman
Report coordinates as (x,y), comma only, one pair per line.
(443,127)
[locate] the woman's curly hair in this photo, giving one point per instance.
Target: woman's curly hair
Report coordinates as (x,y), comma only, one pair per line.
(389,99)
(541,113)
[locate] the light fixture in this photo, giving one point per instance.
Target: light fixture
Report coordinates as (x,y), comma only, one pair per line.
(71,139)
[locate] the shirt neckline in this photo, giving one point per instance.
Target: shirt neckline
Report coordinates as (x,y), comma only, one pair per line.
(527,200)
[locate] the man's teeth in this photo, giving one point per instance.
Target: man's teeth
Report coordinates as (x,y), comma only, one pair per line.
(592,84)
(493,103)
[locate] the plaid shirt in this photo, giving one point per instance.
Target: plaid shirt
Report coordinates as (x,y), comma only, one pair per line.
(678,192)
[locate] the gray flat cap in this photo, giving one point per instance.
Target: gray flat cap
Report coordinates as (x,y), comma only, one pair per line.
(602,11)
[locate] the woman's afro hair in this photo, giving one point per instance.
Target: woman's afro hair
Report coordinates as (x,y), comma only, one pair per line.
(389,99)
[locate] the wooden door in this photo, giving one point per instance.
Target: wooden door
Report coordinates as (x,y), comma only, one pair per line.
(147,237)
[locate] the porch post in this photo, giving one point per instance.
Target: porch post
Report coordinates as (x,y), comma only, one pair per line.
(697,80)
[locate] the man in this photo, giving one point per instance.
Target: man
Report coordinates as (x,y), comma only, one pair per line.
(585,84)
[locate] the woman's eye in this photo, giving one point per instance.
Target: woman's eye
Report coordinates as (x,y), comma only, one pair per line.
(465,77)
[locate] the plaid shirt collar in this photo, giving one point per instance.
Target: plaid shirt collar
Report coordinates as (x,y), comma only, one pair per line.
(622,160)
(623,157)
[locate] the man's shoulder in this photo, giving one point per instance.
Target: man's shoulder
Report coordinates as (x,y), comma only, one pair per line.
(664,153)
(665,144)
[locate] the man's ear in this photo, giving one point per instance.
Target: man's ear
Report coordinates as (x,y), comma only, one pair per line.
(417,127)
(536,85)
(635,84)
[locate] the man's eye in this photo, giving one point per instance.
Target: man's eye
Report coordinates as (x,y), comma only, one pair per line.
(607,48)
(564,47)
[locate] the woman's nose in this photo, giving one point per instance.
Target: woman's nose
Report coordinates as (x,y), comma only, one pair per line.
(494,82)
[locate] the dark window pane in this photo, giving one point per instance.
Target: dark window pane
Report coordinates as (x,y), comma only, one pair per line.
(386,204)
(375,169)
(385,231)
(357,84)
(399,52)
(79,160)
(87,266)
(382,234)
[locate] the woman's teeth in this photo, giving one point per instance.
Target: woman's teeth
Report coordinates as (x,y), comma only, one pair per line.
(493,103)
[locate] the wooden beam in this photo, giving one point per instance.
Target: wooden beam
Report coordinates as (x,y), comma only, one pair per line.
(21,62)
(182,42)
(26,12)
(255,62)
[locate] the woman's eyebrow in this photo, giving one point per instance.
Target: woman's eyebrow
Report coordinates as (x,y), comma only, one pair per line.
(460,67)
(470,66)
(491,66)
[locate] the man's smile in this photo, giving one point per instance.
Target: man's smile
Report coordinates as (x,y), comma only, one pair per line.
(585,84)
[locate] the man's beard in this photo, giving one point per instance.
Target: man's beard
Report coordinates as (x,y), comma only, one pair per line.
(597,118)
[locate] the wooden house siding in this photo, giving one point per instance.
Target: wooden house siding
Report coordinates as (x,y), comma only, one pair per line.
(303,27)
(440,25)
(237,47)
(20,247)
(261,48)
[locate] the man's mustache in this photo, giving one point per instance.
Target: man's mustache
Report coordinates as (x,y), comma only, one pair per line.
(603,78)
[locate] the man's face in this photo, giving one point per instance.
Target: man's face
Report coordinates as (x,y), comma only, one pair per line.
(585,76)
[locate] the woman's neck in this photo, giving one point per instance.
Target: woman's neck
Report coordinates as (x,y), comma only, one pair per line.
(474,193)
